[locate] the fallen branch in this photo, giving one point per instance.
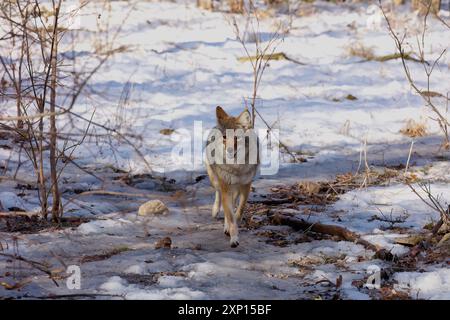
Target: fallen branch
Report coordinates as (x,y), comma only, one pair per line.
(107,193)
(35,264)
(36,116)
(393,56)
(272,56)
(333,230)
(114,193)
(275,202)
(11,214)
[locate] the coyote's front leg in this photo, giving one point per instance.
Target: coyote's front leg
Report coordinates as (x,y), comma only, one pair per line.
(216,206)
(230,220)
(244,191)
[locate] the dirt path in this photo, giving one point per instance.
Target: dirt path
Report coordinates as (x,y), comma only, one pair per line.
(118,259)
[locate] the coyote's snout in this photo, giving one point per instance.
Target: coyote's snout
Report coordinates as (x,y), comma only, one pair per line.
(232,159)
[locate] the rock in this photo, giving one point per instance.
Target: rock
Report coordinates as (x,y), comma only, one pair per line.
(153,207)
(410,241)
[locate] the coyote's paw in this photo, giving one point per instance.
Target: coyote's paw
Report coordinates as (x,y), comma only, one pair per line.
(234,242)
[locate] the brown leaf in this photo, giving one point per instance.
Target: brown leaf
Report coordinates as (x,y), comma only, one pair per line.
(164,243)
(14,286)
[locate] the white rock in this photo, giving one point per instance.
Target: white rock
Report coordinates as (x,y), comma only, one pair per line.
(153,207)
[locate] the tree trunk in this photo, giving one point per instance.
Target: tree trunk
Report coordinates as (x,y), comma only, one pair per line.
(53,130)
(41,175)
(19,86)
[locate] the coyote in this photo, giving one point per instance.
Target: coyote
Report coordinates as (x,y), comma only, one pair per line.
(232,164)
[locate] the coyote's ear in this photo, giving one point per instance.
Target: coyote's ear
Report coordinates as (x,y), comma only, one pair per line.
(221,115)
(245,119)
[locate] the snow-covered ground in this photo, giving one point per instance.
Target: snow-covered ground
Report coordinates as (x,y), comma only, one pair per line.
(181,62)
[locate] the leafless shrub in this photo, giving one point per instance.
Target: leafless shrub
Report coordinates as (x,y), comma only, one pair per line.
(33,35)
(259,56)
(261,53)
(427,95)
(439,110)
(37,77)
(391,219)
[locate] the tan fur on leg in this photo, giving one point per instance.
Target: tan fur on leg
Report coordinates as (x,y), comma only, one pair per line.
(244,191)
(227,204)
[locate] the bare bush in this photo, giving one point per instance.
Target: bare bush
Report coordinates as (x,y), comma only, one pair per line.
(33,34)
(44,86)
(429,96)
(259,56)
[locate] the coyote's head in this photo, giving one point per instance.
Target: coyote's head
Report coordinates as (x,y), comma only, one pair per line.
(224,121)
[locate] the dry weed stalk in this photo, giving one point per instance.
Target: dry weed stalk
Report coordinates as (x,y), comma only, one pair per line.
(363,161)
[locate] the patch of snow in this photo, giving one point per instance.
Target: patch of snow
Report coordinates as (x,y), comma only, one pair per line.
(432,285)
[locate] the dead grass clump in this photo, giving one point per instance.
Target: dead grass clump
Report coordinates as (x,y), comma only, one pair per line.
(414,129)
(306,8)
(309,187)
(359,50)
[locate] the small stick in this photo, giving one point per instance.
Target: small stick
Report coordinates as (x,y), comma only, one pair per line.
(409,156)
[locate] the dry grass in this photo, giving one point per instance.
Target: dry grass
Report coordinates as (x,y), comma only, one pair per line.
(306,9)
(359,50)
(309,187)
(414,129)
(264,14)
